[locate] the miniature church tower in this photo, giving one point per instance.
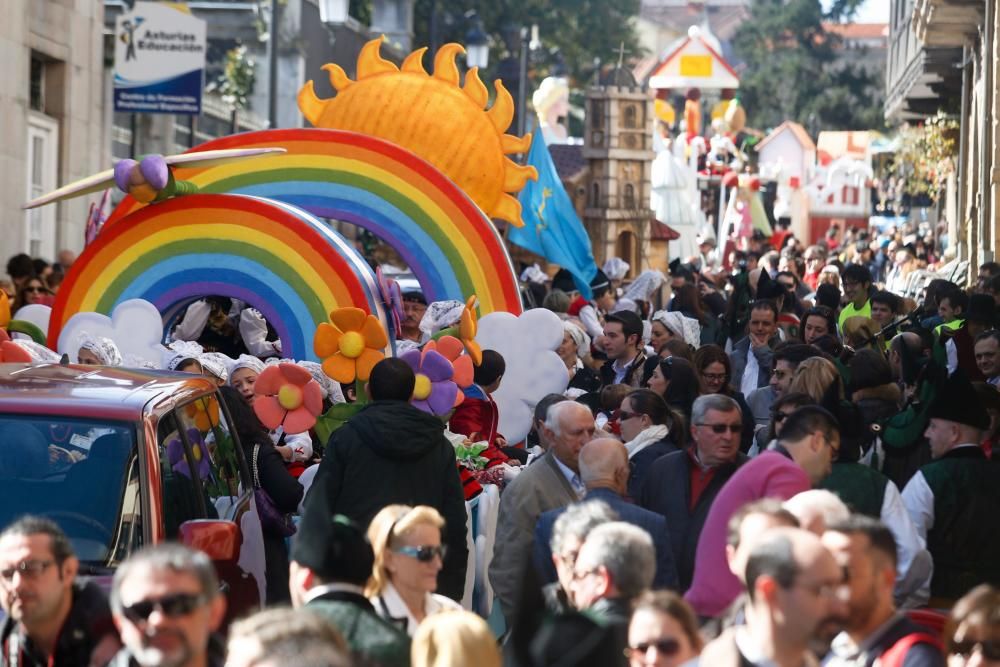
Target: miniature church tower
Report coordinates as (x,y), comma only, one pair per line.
(618,148)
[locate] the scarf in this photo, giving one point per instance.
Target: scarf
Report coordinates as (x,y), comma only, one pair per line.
(646,438)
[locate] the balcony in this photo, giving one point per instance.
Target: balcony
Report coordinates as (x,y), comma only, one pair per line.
(922,77)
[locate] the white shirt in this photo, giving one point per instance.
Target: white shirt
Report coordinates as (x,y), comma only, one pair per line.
(915,567)
(317,591)
(918,498)
(573,478)
(588,316)
(749,380)
(390,606)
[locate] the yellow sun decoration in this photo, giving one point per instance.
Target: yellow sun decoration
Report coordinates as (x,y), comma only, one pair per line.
(433,117)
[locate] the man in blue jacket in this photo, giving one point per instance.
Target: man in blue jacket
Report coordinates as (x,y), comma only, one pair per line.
(605,470)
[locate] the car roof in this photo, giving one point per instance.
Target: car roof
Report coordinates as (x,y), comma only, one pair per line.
(100,392)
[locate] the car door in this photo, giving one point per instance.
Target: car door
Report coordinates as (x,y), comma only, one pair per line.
(216,465)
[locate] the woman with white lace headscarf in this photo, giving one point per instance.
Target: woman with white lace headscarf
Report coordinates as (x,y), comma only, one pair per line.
(98,351)
(667,324)
(573,350)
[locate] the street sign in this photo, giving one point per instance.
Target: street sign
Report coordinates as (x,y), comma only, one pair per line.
(159,59)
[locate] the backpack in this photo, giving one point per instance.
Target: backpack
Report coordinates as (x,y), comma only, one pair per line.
(896,653)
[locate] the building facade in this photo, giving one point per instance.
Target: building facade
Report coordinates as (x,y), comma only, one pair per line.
(52,119)
(944,55)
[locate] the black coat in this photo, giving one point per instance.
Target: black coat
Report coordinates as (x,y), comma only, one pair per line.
(286,492)
(392,453)
(667,491)
(642,461)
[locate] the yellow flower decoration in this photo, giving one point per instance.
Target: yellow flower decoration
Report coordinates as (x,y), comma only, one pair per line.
(468,327)
(205,413)
(351,346)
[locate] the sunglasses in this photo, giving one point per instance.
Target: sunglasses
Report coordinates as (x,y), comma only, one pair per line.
(666,647)
(424,554)
(989,650)
(172,606)
(34,290)
(721,428)
(780,416)
(624,414)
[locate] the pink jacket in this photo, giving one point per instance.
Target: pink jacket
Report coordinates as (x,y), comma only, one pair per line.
(769,475)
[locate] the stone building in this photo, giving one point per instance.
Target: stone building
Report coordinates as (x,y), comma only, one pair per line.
(618,149)
(51,119)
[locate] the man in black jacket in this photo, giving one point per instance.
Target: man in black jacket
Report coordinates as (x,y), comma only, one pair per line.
(681,486)
(52,619)
(392,453)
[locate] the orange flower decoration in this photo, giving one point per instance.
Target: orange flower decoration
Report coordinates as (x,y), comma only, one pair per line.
(451,349)
(351,346)
(468,327)
(205,413)
(287,396)
(11,353)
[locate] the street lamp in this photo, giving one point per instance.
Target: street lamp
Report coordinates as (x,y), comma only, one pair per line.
(477,43)
(333,11)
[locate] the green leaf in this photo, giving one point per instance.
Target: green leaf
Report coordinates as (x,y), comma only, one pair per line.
(328,422)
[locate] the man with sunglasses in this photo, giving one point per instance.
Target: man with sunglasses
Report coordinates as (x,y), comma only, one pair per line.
(803,456)
(167,606)
(683,485)
(52,620)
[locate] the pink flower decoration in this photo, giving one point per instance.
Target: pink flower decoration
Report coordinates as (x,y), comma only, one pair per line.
(287,396)
(434,391)
(452,349)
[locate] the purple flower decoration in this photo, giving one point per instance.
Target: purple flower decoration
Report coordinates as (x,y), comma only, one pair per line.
(123,172)
(175,455)
(155,170)
(434,391)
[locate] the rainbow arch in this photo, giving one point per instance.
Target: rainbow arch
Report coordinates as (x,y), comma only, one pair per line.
(286,262)
(452,247)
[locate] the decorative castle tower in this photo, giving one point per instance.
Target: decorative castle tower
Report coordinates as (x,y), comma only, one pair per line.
(618,148)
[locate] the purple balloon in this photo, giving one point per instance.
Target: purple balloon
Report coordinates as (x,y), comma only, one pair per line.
(154,169)
(123,171)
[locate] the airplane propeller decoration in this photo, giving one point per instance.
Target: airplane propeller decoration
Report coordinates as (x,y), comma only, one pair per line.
(150,179)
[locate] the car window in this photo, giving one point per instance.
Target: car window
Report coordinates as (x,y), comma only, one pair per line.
(215,453)
(70,470)
(180,473)
(128,537)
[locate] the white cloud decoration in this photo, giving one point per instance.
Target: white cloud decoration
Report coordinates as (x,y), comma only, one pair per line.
(528,343)
(135,326)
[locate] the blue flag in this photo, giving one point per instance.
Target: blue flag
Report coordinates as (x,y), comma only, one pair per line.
(551,226)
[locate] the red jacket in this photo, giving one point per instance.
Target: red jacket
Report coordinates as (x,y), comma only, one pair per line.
(477,417)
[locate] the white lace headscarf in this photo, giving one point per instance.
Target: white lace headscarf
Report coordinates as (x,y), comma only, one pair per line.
(246,361)
(441,315)
(102,348)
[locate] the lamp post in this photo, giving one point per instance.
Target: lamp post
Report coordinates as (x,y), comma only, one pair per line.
(477,42)
(333,11)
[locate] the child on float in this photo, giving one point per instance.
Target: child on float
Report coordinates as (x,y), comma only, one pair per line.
(297,449)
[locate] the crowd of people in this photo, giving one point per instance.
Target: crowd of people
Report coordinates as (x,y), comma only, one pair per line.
(790,462)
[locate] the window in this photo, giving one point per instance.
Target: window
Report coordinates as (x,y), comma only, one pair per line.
(69,470)
(36,82)
(596,115)
(595,194)
(213,447)
(181,471)
(629,196)
(40,223)
(630,117)
(625,247)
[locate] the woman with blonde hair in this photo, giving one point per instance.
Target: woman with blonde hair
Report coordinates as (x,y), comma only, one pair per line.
(814,376)
(454,638)
(408,556)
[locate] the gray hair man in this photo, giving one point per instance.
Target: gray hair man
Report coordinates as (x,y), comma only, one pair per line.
(167,605)
(553,481)
(569,531)
(682,486)
(615,565)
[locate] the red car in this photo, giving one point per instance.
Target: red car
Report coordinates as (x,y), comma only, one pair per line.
(123,458)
